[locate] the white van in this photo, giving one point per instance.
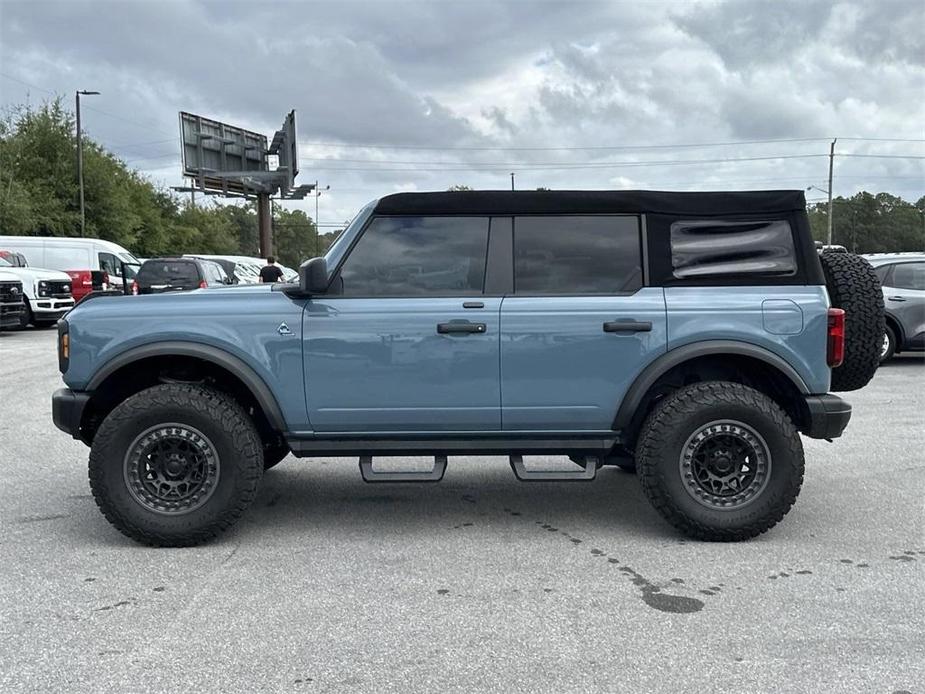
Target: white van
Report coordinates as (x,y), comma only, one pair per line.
(78,257)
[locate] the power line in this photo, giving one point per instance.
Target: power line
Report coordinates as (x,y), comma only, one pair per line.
(566,167)
(597,147)
(508,164)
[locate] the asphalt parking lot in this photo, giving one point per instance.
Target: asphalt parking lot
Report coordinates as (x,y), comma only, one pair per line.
(479,583)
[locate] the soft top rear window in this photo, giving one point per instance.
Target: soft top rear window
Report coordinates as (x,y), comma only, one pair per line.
(713,248)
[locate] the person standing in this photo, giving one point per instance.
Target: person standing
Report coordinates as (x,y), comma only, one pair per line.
(269,272)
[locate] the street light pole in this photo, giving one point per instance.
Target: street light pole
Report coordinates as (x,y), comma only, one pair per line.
(512,180)
(831,161)
(80,162)
(318,195)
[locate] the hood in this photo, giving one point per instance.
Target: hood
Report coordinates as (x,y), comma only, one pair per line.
(9,276)
(34,274)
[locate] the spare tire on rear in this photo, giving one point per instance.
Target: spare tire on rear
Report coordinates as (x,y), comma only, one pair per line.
(854,287)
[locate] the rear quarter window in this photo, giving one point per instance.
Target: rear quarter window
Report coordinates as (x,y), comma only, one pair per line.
(717,248)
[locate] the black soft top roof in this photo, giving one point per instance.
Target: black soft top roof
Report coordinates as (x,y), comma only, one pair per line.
(490,202)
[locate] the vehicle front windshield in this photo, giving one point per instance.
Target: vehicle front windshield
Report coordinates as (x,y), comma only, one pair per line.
(129,258)
(5,263)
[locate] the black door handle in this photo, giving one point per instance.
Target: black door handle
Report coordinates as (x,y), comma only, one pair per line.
(445,328)
(896,298)
(628,326)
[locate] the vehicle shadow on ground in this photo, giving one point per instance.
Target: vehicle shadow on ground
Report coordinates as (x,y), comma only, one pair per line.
(331,496)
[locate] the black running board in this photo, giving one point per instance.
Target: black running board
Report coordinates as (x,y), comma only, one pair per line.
(373,476)
(587,472)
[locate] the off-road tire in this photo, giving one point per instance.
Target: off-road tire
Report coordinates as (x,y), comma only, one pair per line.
(229,429)
(890,335)
(669,427)
(854,287)
(26,316)
(273,454)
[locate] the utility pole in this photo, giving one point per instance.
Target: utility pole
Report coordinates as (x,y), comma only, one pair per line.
(264,225)
(80,162)
(831,161)
(512,180)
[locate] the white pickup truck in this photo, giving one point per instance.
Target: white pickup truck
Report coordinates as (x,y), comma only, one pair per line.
(47,293)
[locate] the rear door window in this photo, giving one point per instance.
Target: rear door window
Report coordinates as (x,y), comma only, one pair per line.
(562,255)
(909,276)
(417,256)
(716,248)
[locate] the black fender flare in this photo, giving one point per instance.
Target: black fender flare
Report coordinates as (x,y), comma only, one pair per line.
(655,370)
(215,355)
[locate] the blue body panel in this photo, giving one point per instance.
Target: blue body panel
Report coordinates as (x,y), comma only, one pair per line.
(379,365)
(560,371)
(241,320)
(749,314)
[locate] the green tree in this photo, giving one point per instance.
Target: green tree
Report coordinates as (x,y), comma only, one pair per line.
(871,223)
(296,237)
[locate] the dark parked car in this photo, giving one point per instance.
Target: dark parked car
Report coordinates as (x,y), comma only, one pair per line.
(902,276)
(178,274)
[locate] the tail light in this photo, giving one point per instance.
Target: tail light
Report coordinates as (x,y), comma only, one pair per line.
(202,284)
(835,353)
(134,288)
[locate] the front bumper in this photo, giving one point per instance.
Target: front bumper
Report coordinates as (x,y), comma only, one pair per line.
(67,407)
(51,309)
(11,314)
(828,416)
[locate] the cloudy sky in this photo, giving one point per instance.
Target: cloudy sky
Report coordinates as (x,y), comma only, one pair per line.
(422,95)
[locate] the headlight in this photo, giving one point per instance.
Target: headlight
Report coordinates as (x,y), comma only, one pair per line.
(43,288)
(67,289)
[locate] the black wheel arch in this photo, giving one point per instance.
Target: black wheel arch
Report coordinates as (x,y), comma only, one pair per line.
(215,357)
(734,355)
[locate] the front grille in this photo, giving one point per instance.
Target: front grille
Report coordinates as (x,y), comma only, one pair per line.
(10,291)
(59,289)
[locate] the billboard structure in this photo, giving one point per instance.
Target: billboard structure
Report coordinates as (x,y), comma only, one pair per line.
(224,159)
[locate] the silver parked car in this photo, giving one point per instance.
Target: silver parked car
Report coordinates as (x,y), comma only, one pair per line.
(903,278)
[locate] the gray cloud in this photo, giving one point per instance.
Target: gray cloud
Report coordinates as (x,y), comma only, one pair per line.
(487,74)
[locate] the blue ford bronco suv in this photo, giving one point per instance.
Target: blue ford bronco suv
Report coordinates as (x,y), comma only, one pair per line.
(689,336)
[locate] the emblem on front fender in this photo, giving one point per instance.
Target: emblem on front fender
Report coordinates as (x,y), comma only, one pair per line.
(283,329)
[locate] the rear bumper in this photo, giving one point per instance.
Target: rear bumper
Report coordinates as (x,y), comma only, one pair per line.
(828,416)
(67,407)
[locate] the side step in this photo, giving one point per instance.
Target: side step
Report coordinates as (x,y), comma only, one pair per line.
(371,476)
(586,474)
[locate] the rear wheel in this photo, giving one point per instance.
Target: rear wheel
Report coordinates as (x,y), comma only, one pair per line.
(854,287)
(888,348)
(175,465)
(720,461)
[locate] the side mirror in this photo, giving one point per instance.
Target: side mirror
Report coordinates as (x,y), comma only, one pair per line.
(313,276)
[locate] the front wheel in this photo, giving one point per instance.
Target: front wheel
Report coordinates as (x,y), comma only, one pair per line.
(175,465)
(720,461)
